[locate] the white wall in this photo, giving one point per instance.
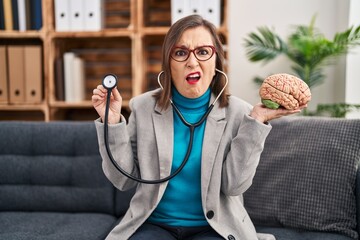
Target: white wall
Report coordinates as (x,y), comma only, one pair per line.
(246,15)
(352,84)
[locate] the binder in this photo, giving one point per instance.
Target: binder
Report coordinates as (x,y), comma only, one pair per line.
(22,15)
(195,7)
(3,76)
(59,79)
(62,15)
(68,76)
(16,74)
(74,77)
(2,17)
(28,14)
(33,74)
(79,79)
(94,15)
(36,14)
(208,9)
(179,9)
(211,11)
(77,15)
(8,16)
(15,15)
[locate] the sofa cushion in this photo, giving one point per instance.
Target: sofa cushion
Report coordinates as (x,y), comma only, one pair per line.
(122,201)
(52,167)
(54,226)
(295,234)
(306,176)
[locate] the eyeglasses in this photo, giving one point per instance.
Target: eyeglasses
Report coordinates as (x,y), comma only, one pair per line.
(202,53)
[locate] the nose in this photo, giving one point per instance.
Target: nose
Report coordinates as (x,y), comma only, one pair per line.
(192,60)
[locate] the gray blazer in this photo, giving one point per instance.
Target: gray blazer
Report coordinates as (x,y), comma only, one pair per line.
(232,145)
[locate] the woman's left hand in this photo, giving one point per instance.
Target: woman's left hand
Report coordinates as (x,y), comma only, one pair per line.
(264,114)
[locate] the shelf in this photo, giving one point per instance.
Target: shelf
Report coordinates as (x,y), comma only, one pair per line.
(21,107)
(97,34)
(129,46)
(76,105)
(18,34)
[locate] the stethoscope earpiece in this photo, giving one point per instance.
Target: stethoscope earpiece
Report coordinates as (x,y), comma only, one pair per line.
(109,81)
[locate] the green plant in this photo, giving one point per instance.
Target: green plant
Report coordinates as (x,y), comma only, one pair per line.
(307,48)
(337,110)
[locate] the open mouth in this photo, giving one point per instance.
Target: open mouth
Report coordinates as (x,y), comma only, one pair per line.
(193,77)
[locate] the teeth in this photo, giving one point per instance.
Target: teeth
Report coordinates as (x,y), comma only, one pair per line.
(194,75)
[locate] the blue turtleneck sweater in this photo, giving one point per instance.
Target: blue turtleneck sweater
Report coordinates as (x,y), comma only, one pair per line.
(181,203)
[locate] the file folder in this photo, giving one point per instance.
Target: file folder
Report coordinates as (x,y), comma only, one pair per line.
(208,9)
(211,11)
(3,76)
(179,9)
(16,74)
(195,7)
(77,15)
(33,74)
(94,15)
(62,15)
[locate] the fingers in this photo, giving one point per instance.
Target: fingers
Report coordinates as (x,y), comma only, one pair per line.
(262,113)
(100,91)
(116,94)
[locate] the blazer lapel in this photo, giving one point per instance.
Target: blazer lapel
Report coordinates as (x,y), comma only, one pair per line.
(164,135)
(214,130)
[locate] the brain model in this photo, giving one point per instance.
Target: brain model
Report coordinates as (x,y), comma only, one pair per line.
(284,90)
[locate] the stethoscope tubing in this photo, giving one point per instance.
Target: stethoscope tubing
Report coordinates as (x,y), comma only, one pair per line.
(186,123)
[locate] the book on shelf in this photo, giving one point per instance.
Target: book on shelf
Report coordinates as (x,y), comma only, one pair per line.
(20,15)
(74,78)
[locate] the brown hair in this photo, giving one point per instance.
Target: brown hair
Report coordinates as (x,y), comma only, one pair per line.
(171,38)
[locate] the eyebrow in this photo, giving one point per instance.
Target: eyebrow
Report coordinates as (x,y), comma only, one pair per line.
(184,46)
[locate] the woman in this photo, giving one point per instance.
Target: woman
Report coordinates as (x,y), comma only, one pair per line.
(204,200)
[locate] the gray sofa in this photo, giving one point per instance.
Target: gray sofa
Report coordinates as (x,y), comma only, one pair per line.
(52,185)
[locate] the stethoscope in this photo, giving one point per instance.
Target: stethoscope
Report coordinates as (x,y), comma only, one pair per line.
(109,82)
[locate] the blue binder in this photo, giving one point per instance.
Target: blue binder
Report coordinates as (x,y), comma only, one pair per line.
(2,20)
(36,14)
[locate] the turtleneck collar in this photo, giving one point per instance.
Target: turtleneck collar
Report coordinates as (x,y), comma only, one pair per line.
(191,104)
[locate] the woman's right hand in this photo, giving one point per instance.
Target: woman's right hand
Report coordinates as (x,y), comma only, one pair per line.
(98,100)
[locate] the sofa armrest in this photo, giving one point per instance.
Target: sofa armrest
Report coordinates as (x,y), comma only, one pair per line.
(357,194)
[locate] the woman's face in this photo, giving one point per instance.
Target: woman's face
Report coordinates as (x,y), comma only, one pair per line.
(192,77)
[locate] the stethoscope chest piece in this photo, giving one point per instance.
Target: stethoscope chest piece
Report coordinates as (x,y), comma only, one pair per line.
(109,81)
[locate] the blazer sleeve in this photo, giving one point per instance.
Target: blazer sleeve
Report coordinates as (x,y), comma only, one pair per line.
(243,157)
(122,143)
